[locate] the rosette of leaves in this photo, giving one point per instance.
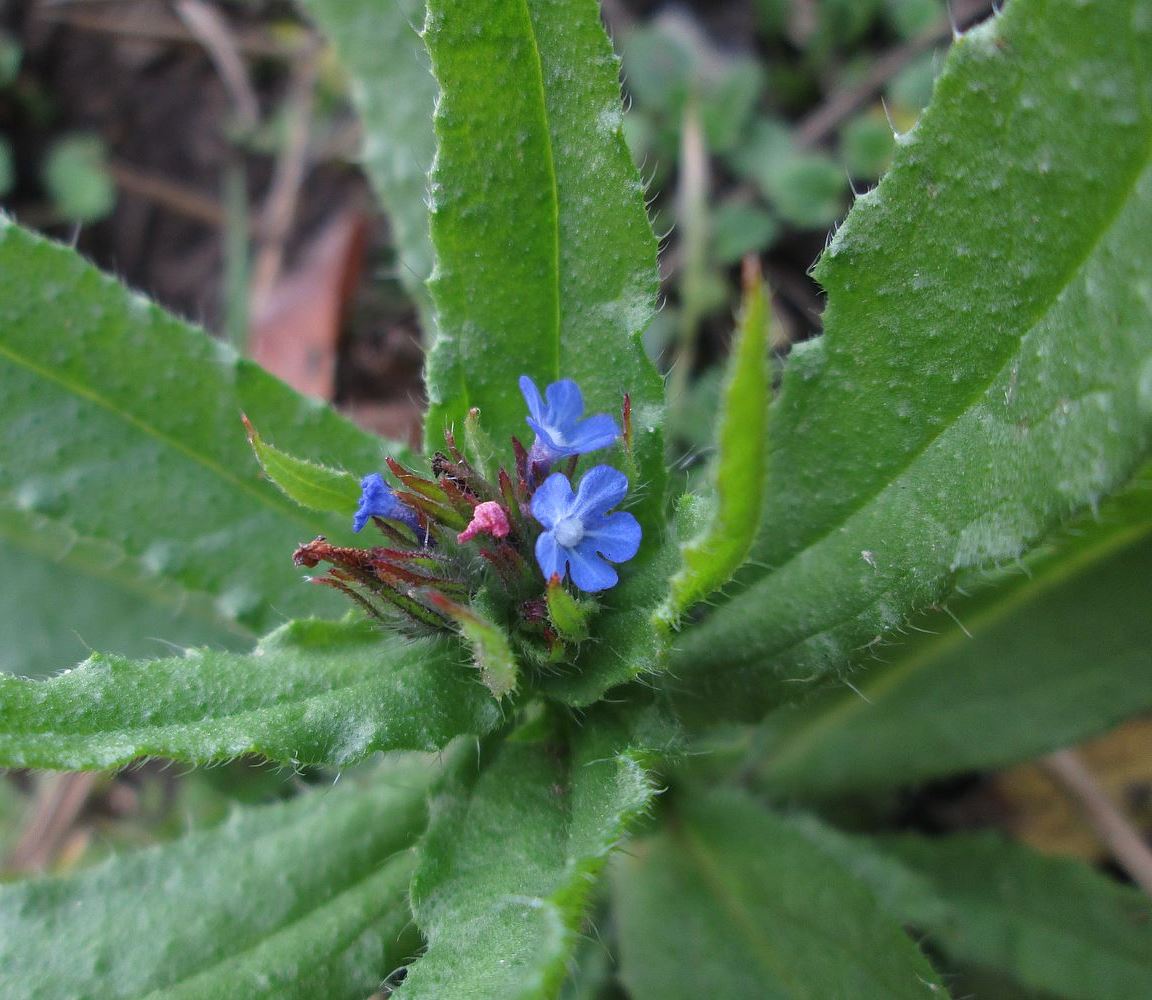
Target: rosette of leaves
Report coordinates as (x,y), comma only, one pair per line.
(984,379)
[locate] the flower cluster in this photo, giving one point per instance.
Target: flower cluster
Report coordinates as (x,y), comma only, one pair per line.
(517,536)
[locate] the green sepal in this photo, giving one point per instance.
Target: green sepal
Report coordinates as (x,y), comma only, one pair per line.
(569,615)
(310,484)
(480,448)
(491,650)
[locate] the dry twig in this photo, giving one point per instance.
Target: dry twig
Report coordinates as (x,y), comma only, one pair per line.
(1116,832)
(176,197)
(58,801)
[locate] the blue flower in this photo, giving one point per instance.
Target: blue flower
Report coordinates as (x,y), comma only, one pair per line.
(378,500)
(560,429)
(579,533)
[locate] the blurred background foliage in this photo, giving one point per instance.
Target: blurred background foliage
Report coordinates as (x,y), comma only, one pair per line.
(208,153)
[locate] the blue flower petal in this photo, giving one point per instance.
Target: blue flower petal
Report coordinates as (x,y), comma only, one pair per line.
(551,558)
(555,448)
(565,403)
(532,398)
(594,433)
(589,571)
(552,500)
(557,421)
(615,537)
(378,500)
(601,489)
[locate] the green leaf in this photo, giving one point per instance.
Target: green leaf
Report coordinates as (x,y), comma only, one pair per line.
(71,595)
(806,189)
(310,484)
(986,369)
(741,226)
(1052,924)
(866,144)
(508,865)
(312,692)
(545,261)
(76,178)
(732,902)
(491,651)
(392,87)
(120,431)
(301,899)
(1062,642)
(712,557)
(569,614)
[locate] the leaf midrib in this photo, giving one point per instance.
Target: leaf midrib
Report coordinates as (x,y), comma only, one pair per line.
(264,498)
(732,902)
(554,188)
(134,583)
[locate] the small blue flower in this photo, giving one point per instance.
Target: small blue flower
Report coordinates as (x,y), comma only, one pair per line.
(560,429)
(579,532)
(378,500)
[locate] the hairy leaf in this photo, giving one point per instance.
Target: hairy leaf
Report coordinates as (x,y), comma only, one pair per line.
(712,557)
(120,430)
(63,596)
(392,87)
(1062,642)
(312,692)
(731,902)
(310,484)
(488,641)
(508,864)
(302,899)
(545,261)
(986,369)
(1051,924)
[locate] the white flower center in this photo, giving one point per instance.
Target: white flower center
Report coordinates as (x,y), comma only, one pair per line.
(569,532)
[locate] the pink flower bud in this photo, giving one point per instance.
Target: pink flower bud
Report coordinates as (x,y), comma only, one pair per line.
(488,518)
